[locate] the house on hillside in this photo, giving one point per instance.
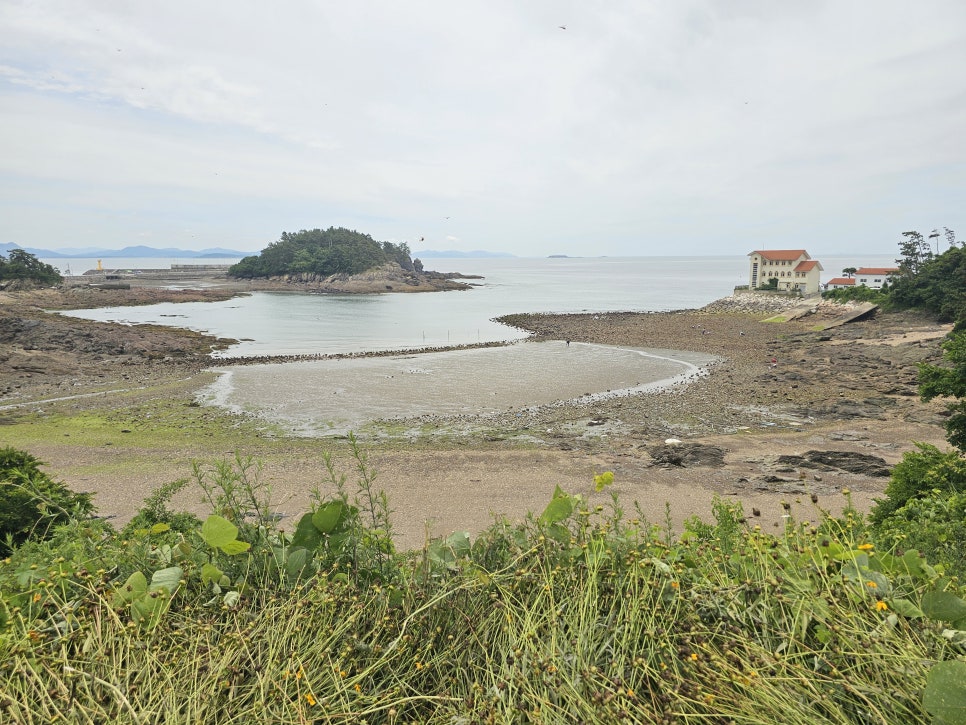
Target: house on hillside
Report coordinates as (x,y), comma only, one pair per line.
(792,269)
(840,283)
(875,277)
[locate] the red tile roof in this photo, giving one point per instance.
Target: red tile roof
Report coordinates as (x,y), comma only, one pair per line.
(782,255)
(841,280)
(807,266)
(877,270)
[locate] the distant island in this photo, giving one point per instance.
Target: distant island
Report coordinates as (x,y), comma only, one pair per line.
(141,251)
(129,252)
(341,260)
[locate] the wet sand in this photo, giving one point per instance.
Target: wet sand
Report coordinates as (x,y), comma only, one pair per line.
(334,397)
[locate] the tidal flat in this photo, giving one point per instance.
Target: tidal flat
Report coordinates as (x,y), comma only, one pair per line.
(335,397)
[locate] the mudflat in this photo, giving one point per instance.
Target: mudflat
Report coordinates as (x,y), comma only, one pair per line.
(791,414)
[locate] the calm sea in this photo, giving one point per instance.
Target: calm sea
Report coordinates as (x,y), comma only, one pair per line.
(289,323)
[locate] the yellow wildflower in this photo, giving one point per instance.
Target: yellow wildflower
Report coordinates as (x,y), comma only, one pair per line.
(881,606)
(866,547)
(694,657)
(871,584)
(309,698)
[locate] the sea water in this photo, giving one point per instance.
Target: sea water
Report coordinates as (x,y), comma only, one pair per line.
(267,323)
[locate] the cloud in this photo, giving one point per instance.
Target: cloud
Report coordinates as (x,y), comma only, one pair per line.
(716,126)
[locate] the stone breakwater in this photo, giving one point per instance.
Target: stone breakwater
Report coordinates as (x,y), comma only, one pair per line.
(310,357)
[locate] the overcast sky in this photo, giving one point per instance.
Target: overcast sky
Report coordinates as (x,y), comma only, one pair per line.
(534,127)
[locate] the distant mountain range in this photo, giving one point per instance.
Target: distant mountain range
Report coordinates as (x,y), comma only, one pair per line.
(212,253)
(454,254)
(139,251)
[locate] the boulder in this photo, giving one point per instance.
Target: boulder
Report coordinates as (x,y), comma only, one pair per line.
(861,463)
(687,455)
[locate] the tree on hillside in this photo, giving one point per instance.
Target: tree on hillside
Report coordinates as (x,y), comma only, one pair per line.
(936,381)
(849,271)
(938,287)
(915,252)
(950,237)
(322,253)
(22,265)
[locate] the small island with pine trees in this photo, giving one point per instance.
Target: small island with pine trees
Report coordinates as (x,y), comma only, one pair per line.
(341,260)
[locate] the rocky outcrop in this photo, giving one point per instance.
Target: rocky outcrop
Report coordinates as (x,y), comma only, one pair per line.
(860,463)
(387,278)
(687,455)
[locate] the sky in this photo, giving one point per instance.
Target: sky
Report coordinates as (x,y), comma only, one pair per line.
(585,127)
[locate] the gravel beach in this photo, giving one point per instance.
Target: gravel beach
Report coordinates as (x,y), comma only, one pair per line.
(790,411)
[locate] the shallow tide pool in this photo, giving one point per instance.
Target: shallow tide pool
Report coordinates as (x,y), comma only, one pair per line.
(333,397)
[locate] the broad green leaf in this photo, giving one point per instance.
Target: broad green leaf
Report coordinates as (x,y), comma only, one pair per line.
(338,542)
(295,561)
(306,534)
(559,508)
(944,606)
(135,587)
(148,610)
(440,554)
(914,561)
(906,608)
(210,573)
(559,533)
(326,518)
(459,543)
(231,599)
(945,693)
(235,547)
(217,531)
(160,528)
(167,579)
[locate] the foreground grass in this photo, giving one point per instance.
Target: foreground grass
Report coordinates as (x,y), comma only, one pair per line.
(577,615)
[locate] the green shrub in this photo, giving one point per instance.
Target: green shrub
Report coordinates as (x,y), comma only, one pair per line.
(155,511)
(934,525)
(918,474)
(858,293)
(31,502)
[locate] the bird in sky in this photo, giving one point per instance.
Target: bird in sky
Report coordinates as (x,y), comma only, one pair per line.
(562,27)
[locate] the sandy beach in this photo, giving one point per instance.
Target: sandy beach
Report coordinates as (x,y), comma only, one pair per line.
(112,409)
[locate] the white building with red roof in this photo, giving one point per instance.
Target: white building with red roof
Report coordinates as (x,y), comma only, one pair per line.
(875,277)
(792,269)
(840,283)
